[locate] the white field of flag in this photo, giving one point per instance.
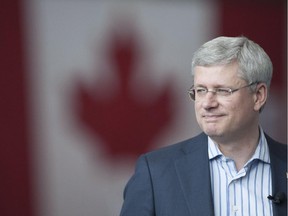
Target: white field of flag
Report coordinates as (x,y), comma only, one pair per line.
(65,43)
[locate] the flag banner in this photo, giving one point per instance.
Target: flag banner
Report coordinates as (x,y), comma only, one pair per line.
(89,86)
(109,81)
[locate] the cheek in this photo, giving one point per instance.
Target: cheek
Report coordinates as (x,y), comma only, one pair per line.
(197,108)
(240,110)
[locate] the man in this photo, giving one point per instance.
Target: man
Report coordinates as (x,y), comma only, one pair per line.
(233,167)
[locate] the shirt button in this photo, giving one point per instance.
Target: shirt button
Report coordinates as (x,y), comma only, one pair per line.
(235,208)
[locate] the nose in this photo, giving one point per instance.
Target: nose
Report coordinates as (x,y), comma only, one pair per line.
(209,100)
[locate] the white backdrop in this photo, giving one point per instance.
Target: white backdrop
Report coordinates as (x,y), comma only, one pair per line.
(67,43)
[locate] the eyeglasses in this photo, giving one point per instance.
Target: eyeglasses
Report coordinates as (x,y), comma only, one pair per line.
(200,92)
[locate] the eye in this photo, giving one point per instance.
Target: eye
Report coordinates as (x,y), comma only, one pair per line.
(223,91)
(200,90)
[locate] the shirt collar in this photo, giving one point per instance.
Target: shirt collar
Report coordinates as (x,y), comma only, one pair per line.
(261,153)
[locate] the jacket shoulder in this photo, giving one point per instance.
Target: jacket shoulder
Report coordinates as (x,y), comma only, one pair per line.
(179,149)
(277,148)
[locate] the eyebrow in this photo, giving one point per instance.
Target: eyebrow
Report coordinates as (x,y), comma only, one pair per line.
(215,86)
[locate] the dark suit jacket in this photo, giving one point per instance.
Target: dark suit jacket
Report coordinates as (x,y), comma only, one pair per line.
(175,180)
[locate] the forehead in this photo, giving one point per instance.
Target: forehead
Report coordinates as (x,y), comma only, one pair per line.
(216,74)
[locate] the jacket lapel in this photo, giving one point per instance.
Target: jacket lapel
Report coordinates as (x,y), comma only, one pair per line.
(278,159)
(194,177)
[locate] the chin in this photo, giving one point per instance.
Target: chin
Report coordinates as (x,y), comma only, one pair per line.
(210,129)
(213,133)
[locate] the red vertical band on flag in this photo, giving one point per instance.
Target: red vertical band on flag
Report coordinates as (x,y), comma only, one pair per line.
(263,21)
(15,195)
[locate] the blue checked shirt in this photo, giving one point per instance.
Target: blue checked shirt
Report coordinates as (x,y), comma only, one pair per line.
(243,192)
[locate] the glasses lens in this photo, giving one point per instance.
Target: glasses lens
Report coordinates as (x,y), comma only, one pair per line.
(192,94)
(223,91)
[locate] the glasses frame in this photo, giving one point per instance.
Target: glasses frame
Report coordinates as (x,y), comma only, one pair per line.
(192,93)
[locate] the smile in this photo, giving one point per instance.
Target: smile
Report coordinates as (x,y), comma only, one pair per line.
(211,117)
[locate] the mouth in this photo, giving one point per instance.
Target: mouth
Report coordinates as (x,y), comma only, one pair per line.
(212,117)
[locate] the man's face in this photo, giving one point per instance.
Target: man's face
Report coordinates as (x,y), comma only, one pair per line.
(224,117)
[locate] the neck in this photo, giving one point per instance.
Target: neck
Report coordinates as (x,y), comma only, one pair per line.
(240,150)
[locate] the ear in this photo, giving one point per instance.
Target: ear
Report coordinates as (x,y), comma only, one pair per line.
(260,96)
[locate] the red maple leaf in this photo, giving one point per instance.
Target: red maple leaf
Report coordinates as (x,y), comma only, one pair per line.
(126,126)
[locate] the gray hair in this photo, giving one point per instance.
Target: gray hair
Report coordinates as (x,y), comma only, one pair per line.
(254,64)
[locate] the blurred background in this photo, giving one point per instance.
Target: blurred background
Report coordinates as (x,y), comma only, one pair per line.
(89,85)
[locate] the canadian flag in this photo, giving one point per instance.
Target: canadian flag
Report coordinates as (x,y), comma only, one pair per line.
(88,86)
